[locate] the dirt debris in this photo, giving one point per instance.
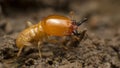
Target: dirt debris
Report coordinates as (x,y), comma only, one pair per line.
(99,49)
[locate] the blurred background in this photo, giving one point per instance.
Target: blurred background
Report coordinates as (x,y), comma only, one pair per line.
(103,15)
(101,49)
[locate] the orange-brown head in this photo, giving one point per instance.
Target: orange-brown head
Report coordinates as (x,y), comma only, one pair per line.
(57,25)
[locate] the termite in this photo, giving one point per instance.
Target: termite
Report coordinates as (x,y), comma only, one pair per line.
(52,25)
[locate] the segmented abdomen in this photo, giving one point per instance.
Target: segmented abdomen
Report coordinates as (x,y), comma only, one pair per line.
(32,34)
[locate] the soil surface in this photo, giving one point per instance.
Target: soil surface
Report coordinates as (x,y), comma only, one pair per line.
(99,48)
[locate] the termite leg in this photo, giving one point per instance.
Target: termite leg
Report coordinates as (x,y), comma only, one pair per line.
(75,32)
(19,52)
(28,24)
(64,41)
(80,35)
(39,48)
(54,41)
(65,47)
(83,34)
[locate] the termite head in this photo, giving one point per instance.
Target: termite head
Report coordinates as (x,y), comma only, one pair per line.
(57,25)
(77,24)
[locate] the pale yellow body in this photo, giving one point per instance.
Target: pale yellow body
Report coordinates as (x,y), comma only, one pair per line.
(53,25)
(32,34)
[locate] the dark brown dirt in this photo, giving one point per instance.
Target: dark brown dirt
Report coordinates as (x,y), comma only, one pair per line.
(100,47)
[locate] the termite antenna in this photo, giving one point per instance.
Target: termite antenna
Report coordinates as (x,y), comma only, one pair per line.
(82,21)
(72,14)
(75,32)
